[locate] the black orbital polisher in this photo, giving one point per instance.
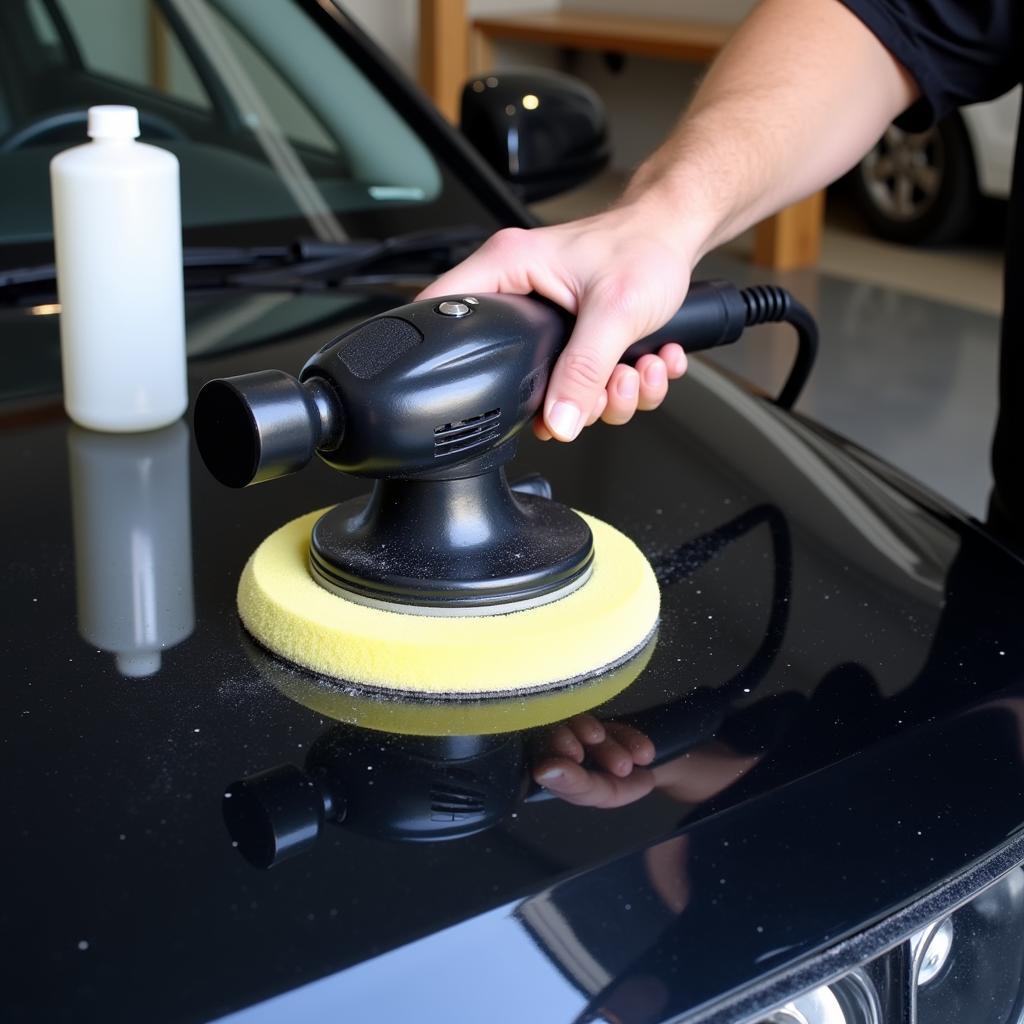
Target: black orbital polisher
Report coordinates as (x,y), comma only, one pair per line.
(428,400)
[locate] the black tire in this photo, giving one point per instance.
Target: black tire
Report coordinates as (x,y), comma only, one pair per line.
(919,189)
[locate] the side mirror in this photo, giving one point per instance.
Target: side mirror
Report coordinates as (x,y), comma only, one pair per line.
(542,131)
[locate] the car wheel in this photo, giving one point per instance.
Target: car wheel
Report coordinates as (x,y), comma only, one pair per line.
(919,187)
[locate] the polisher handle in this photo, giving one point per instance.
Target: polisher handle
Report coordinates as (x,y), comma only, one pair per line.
(713,314)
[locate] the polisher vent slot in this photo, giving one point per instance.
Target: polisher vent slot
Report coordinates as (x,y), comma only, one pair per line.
(451,800)
(464,435)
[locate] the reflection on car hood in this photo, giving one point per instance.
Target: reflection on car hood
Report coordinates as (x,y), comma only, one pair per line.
(834,688)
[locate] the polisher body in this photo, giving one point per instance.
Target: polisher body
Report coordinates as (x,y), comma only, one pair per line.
(425,392)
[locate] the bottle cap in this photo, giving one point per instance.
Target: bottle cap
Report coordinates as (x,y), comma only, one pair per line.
(113,122)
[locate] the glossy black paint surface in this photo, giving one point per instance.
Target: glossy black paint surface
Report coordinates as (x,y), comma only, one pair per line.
(836,679)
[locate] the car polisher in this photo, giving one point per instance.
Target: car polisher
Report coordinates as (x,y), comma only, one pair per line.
(428,400)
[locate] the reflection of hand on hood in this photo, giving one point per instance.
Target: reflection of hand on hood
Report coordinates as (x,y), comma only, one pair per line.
(594,764)
(703,772)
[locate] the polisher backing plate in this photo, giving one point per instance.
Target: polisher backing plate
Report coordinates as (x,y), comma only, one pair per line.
(595,626)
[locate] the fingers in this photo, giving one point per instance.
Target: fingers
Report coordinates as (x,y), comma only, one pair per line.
(623,394)
(595,764)
(674,358)
(612,756)
(562,743)
(574,784)
(572,737)
(629,390)
(621,750)
(587,728)
(609,746)
(585,369)
(653,382)
(542,433)
(598,411)
(643,388)
(639,746)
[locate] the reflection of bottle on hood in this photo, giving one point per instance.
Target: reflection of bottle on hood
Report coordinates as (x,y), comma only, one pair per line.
(133,547)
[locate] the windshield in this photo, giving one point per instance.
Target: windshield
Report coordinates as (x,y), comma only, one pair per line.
(278,132)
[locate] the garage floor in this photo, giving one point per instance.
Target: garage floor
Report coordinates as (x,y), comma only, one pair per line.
(909,345)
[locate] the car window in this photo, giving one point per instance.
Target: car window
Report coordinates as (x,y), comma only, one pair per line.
(296,118)
(143,51)
(271,121)
(51,46)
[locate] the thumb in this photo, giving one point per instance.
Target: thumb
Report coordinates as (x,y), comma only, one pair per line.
(472,275)
(583,369)
(501,264)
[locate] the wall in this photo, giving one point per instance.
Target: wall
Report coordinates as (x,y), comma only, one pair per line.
(717,11)
(394,23)
(646,97)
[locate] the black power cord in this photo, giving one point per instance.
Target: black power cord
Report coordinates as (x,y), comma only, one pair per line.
(717,313)
(768,303)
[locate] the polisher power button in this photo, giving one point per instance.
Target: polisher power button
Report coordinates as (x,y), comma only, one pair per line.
(455,309)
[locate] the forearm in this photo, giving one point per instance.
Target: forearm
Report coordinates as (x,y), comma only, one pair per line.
(800,93)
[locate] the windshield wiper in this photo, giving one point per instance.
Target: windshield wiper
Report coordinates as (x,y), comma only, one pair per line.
(193,256)
(326,263)
(298,265)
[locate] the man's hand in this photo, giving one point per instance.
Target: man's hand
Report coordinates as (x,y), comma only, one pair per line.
(623,276)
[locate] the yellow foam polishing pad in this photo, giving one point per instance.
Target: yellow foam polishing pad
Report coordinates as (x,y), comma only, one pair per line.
(588,630)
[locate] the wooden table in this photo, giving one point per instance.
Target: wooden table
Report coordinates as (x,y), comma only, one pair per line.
(664,38)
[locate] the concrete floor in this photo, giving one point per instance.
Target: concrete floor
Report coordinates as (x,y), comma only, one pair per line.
(907,365)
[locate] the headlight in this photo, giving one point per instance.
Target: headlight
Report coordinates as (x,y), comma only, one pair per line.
(971,964)
(930,949)
(849,1000)
(965,967)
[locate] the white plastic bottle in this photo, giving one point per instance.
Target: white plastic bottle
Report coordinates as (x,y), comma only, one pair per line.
(117,233)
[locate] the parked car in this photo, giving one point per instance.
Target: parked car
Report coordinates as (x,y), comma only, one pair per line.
(834,693)
(925,187)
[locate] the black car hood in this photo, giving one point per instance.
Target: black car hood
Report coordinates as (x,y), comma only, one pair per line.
(836,672)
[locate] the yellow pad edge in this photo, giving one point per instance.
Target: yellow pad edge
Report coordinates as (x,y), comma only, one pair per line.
(480,716)
(608,618)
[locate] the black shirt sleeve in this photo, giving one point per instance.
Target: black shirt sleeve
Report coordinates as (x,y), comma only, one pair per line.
(958,51)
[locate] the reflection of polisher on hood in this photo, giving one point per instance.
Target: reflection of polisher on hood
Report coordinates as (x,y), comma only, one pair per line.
(444,772)
(133,550)
(410,770)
